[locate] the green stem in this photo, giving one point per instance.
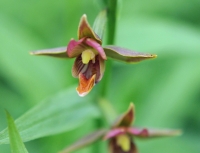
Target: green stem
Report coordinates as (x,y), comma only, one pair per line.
(111,23)
(104,1)
(111,28)
(106,107)
(107,110)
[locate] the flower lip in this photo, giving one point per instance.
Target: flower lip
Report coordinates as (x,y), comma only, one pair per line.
(85,85)
(88,70)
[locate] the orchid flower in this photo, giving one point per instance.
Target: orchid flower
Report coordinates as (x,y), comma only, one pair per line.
(121,135)
(90,56)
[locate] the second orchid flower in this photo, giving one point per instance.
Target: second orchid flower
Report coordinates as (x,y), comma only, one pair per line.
(121,135)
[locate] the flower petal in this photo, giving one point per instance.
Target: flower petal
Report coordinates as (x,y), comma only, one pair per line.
(88,70)
(97,47)
(138,132)
(85,31)
(75,48)
(55,52)
(84,141)
(85,85)
(161,133)
(152,133)
(115,148)
(126,55)
(99,23)
(102,69)
(78,67)
(126,119)
(114,132)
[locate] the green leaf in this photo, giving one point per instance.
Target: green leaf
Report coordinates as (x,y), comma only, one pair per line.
(99,23)
(16,143)
(55,52)
(57,114)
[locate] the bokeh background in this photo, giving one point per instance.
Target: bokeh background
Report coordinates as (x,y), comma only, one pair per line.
(166,91)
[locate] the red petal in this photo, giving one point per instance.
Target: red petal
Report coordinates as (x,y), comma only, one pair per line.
(97,47)
(114,132)
(75,48)
(138,132)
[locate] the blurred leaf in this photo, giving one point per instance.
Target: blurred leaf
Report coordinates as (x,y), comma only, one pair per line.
(176,10)
(99,23)
(57,114)
(27,69)
(16,143)
(159,36)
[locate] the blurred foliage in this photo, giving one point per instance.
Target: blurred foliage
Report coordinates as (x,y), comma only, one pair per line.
(165,90)
(54,115)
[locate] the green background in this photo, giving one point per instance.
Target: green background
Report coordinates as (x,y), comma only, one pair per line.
(166,91)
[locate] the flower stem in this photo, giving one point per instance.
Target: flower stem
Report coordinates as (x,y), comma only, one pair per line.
(111,24)
(103,103)
(111,28)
